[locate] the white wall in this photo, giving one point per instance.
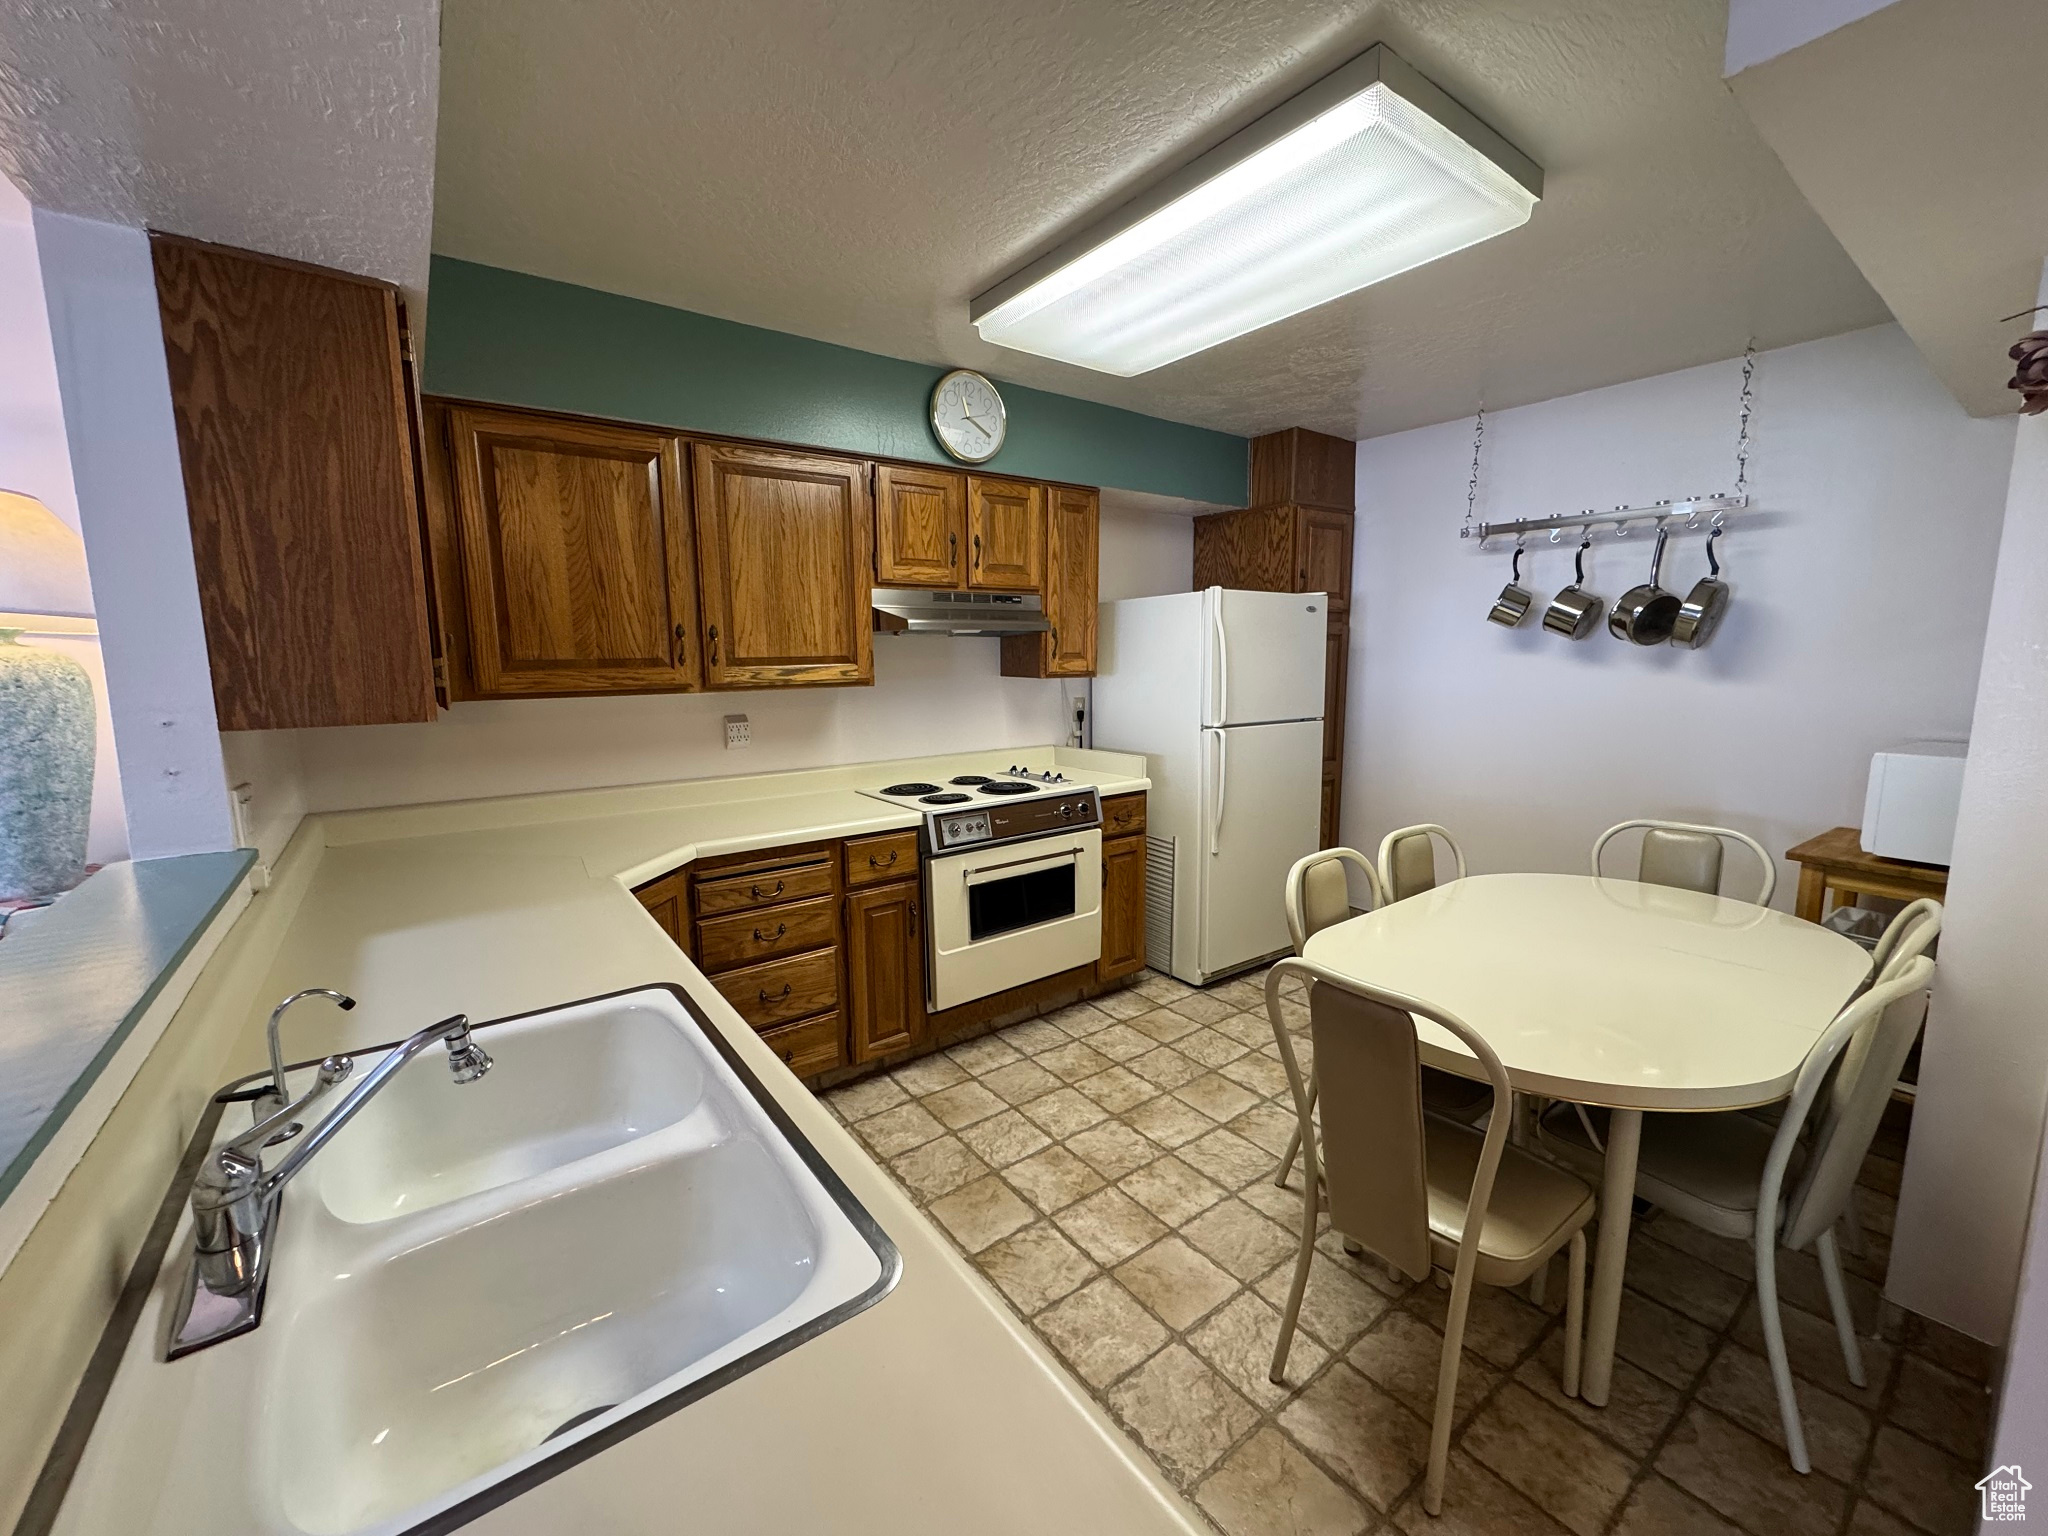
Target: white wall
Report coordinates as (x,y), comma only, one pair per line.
(100,294)
(1763,29)
(1971,1167)
(33,458)
(1860,591)
(1144,554)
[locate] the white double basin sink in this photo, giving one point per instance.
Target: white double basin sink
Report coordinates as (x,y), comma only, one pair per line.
(474,1286)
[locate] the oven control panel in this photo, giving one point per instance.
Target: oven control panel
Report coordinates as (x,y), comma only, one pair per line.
(1021,816)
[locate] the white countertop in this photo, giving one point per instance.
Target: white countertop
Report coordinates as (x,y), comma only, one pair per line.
(934,1411)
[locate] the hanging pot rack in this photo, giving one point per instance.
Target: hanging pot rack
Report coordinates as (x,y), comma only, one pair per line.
(1687,512)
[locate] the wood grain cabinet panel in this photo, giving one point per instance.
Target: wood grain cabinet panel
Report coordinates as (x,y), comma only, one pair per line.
(576,549)
(1123,816)
(1005,535)
(293,406)
(779,991)
(1123,908)
(814,1046)
(920,527)
(764,887)
(884,970)
(666,901)
(1072,560)
(1304,468)
(784,565)
(1322,554)
(742,938)
(1251,550)
(877,860)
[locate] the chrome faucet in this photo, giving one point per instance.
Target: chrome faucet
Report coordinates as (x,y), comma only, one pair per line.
(271,1102)
(234,1199)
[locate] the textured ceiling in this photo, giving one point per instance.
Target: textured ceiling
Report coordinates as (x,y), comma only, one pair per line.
(300,127)
(857,173)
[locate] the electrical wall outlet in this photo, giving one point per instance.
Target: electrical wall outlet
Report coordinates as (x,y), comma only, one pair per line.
(737,732)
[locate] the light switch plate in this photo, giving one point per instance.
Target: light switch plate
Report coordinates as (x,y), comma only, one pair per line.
(737,732)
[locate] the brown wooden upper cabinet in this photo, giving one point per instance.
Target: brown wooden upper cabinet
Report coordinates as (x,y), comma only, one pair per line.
(1322,553)
(578,572)
(785,566)
(1005,535)
(920,527)
(1072,560)
(292,396)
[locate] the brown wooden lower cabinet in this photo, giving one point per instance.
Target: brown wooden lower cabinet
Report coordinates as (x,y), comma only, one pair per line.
(1123,908)
(667,902)
(814,1046)
(885,969)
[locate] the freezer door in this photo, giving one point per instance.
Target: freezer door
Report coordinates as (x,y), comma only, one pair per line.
(1265,655)
(1261,810)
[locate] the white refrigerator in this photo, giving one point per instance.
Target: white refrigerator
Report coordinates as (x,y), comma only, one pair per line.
(1223,693)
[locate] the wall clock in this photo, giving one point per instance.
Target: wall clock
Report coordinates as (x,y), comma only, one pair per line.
(968,417)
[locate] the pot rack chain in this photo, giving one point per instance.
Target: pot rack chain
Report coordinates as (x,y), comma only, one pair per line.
(1686,510)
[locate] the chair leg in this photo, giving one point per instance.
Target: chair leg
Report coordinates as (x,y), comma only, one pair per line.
(1774,1347)
(1292,1313)
(1574,1312)
(1294,1141)
(1838,1303)
(1446,1394)
(1539,1284)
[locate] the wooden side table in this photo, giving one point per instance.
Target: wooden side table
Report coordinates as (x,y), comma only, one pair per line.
(1835,861)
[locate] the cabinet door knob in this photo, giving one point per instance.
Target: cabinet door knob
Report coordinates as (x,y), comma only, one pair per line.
(977,551)
(913,909)
(778,997)
(875,862)
(952,549)
(714,645)
(760,895)
(770,938)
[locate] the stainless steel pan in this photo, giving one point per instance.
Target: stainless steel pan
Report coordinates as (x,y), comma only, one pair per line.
(1644,615)
(1515,600)
(1700,614)
(1574,611)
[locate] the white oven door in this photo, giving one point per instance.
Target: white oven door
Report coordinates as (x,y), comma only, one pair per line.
(1003,916)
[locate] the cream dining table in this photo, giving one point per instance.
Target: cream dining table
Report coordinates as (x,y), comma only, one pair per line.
(1608,992)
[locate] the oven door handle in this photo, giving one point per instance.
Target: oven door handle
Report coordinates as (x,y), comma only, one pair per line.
(982,874)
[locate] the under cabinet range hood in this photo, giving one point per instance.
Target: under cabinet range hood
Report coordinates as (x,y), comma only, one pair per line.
(916,611)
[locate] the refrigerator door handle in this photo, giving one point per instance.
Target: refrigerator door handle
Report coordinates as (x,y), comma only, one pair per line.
(1222,791)
(1222,665)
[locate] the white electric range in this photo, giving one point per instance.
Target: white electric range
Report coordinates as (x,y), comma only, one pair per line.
(1012,878)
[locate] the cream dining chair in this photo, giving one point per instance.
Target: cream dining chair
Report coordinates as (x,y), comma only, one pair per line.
(1423,1194)
(1908,936)
(1688,856)
(1408,859)
(1317,894)
(1728,1172)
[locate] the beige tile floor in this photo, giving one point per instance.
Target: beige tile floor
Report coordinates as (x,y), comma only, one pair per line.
(1109,1169)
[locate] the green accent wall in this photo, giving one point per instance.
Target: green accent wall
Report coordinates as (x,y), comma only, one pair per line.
(513,339)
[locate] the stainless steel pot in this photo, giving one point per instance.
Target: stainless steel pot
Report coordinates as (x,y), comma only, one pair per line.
(1574,611)
(1700,614)
(1644,615)
(1515,600)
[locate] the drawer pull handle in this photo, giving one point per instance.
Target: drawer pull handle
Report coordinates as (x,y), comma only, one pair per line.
(714,645)
(778,997)
(760,895)
(770,938)
(876,862)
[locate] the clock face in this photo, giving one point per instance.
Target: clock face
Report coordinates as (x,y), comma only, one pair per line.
(967,416)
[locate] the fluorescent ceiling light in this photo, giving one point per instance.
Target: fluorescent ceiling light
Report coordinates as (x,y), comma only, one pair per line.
(1367,173)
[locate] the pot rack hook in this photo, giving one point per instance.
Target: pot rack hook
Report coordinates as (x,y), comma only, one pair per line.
(1516,577)
(1714,560)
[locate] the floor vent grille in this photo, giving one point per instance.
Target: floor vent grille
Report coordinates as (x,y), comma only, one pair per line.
(1159,862)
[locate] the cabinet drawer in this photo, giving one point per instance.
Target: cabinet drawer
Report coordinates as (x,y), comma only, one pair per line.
(1122,815)
(810,1047)
(763,887)
(782,990)
(872,860)
(748,936)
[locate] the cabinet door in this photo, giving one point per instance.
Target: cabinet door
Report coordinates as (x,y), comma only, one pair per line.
(664,901)
(1322,552)
(784,565)
(1072,554)
(920,527)
(1123,908)
(1005,535)
(1336,663)
(291,405)
(1249,550)
(575,554)
(1333,792)
(885,969)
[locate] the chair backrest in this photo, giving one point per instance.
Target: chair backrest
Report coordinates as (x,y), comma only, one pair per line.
(1408,859)
(1318,892)
(1687,855)
(1849,1074)
(1907,937)
(1368,1073)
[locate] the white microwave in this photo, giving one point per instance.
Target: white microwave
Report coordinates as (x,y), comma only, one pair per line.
(1909,811)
